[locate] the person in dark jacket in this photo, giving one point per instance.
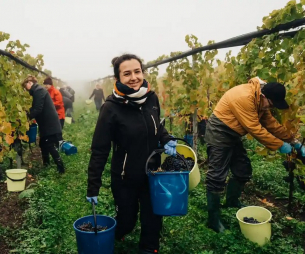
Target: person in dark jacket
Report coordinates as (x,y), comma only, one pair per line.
(68,104)
(44,112)
(98,96)
(65,93)
(71,91)
(130,118)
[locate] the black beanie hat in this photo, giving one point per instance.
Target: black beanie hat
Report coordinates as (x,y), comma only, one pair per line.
(48,81)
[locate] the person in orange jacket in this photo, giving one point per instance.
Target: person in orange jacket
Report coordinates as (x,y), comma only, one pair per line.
(242,109)
(57,100)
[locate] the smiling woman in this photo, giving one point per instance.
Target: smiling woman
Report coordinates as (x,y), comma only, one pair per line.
(130,119)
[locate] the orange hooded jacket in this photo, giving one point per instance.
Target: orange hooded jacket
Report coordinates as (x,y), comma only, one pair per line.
(240,108)
(58,102)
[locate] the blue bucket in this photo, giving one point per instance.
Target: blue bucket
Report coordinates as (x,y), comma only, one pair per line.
(68,148)
(91,243)
(169,192)
(189,138)
(32,133)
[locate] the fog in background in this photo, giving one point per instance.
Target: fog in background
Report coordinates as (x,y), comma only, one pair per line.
(79,38)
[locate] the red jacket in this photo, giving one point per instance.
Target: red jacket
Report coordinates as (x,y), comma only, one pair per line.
(58,102)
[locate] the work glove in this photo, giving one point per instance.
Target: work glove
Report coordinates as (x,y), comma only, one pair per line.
(285,148)
(170,147)
(89,199)
(299,146)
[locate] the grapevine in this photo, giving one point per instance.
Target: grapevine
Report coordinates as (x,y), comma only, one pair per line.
(14,101)
(194,87)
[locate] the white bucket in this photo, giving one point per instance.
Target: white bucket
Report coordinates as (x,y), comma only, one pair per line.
(68,120)
(259,233)
(16,179)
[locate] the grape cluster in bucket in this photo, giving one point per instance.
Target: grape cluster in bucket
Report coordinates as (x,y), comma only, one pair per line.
(177,164)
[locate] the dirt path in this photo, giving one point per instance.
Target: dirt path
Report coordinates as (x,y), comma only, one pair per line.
(11,207)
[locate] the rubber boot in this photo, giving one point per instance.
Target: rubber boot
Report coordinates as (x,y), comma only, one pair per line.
(214,222)
(234,190)
(148,251)
(60,166)
(46,160)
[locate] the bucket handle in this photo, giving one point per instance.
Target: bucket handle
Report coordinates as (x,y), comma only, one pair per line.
(162,151)
(152,154)
(16,180)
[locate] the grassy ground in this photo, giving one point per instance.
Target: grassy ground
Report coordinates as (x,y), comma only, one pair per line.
(59,200)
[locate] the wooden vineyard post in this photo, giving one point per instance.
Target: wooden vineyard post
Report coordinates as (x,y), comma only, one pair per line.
(291,178)
(195,124)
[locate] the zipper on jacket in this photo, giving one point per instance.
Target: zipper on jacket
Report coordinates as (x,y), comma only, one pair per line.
(154,124)
(124,163)
(146,130)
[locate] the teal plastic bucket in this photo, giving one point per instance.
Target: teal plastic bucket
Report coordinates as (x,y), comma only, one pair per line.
(68,148)
(32,133)
(169,192)
(91,243)
(189,138)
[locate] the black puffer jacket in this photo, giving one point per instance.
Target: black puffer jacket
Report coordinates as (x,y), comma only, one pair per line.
(44,112)
(135,133)
(67,103)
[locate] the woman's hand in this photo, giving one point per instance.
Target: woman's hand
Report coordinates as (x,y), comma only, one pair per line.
(89,199)
(170,147)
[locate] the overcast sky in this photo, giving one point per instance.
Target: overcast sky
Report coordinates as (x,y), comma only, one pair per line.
(78,38)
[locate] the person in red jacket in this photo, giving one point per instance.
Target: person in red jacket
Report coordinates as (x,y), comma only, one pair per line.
(57,100)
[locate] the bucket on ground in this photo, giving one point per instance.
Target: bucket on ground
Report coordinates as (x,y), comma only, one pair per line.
(67,147)
(194,177)
(68,120)
(89,242)
(32,133)
(259,233)
(16,179)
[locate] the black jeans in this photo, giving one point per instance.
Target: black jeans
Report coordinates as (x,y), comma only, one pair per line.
(130,194)
(221,159)
(98,103)
(62,123)
(48,146)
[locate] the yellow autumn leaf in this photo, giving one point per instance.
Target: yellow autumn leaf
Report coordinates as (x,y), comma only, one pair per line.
(261,151)
(294,91)
(266,202)
(24,138)
(2,113)
(6,128)
(189,72)
(249,137)
(9,139)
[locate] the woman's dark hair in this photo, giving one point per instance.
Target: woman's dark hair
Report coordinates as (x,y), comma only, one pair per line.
(116,62)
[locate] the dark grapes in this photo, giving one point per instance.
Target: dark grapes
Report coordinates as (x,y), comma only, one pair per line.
(172,163)
(251,220)
(89,228)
